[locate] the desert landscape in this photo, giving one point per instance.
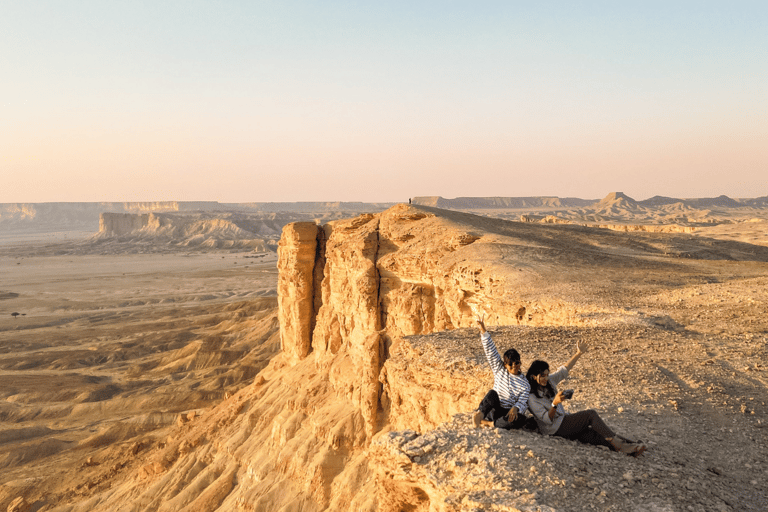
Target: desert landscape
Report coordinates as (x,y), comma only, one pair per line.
(323,356)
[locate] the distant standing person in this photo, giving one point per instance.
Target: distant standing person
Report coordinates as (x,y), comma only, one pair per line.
(546,405)
(505,404)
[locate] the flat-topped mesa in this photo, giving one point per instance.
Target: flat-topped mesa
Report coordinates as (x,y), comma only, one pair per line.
(480,203)
(119,224)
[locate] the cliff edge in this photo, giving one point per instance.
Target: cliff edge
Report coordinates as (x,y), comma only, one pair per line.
(367,405)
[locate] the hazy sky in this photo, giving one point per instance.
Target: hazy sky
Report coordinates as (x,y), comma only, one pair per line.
(286,100)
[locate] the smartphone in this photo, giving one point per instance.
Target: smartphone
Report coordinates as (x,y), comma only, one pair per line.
(568,394)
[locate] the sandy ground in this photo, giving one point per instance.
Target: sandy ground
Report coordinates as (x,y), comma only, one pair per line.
(107,348)
(16,239)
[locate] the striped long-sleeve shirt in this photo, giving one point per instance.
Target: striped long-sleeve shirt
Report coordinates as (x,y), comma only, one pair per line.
(513,390)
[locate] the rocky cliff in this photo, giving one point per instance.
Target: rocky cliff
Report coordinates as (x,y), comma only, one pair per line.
(118,224)
(366,407)
(357,298)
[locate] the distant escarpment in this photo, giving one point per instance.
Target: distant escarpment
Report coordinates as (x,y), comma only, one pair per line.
(84,216)
(202,230)
(469,203)
(212,230)
(480,203)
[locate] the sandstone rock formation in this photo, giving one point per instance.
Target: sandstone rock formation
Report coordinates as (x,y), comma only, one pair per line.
(297,252)
(366,407)
(116,224)
(411,271)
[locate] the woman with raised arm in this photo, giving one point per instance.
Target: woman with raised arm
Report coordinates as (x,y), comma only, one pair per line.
(505,404)
(546,405)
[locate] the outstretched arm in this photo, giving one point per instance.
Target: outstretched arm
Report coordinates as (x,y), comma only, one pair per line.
(489,347)
(581,347)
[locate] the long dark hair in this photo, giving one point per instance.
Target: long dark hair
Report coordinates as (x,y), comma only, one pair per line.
(537,368)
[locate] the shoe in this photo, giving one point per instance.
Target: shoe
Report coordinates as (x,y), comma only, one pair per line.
(639,449)
(620,445)
(477,418)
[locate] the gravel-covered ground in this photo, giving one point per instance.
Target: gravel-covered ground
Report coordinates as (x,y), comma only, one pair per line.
(697,398)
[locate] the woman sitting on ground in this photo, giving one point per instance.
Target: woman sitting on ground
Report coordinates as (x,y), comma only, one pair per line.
(546,405)
(505,404)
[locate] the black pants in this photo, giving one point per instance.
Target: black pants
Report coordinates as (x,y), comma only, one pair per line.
(587,427)
(493,411)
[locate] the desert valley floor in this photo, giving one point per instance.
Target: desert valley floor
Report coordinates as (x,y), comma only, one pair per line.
(107,347)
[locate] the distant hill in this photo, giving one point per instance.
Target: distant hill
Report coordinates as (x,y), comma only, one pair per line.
(709,202)
(616,210)
(612,199)
(619,199)
(467,203)
(659,201)
(759,202)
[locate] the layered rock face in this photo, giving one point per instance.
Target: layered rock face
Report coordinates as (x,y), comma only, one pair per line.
(118,224)
(194,230)
(350,288)
(398,271)
(297,250)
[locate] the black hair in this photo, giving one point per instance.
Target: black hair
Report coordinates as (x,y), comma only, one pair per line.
(537,368)
(511,356)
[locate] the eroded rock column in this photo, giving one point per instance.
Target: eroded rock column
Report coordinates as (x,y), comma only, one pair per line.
(350,285)
(295,288)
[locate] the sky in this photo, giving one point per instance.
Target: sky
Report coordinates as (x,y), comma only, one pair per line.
(295,100)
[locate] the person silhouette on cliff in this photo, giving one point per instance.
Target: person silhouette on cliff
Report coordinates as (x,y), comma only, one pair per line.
(505,404)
